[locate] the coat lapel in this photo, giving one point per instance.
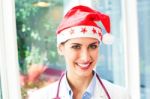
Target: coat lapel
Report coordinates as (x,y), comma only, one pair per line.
(63,90)
(99,92)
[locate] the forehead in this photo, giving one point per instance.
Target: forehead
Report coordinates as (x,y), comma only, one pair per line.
(82,40)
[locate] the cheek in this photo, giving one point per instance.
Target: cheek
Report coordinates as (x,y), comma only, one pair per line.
(70,56)
(69,59)
(95,55)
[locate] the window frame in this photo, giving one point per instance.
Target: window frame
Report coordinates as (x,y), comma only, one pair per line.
(131,45)
(9,69)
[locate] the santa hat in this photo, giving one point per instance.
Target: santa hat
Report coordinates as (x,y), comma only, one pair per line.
(80,21)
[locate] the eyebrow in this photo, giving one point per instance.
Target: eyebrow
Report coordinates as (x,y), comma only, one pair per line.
(89,44)
(94,43)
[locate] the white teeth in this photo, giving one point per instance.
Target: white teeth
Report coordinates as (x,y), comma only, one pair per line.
(83,65)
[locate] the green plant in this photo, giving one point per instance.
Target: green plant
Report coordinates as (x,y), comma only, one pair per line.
(36,32)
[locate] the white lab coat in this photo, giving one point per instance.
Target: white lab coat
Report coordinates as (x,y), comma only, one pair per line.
(50,91)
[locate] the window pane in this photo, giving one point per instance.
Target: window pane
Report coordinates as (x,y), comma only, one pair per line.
(111,61)
(144,39)
(36,25)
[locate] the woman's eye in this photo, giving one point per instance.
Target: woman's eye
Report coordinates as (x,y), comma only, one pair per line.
(76,47)
(93,46)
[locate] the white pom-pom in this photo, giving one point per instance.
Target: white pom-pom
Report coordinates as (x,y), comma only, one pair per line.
(108,39)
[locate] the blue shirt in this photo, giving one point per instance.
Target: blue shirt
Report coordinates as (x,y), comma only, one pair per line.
(89,91)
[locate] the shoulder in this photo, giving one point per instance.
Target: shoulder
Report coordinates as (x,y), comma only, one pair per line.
(116,91)
(45,92)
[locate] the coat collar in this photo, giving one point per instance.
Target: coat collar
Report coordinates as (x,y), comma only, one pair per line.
(98,92)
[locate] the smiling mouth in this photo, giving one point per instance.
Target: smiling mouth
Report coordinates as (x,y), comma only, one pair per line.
(84,66)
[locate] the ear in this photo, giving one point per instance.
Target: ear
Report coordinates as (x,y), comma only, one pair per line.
(60,49)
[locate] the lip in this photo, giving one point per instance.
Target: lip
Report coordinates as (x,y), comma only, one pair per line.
(84,66)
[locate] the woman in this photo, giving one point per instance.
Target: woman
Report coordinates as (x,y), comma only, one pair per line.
(78,40)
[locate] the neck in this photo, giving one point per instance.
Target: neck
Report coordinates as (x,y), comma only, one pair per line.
(77,83)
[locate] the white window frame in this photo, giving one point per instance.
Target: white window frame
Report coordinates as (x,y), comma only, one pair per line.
(131,45)
(9,70)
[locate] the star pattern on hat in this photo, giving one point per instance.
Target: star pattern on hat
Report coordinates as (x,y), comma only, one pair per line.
(100,34)
(94,30)
(71,31)
(83,30)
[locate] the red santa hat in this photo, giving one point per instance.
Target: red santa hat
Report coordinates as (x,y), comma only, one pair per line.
(80,21)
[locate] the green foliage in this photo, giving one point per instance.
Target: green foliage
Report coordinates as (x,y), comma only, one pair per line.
(36,28)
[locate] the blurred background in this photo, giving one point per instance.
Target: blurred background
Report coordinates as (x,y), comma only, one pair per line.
(39,62)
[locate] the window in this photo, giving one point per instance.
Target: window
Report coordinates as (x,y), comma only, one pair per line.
(36,24)
(144,39)
(111,61)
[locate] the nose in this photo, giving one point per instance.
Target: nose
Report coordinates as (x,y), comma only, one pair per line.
(85,56)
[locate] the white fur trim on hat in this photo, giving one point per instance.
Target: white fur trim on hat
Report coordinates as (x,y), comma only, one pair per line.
(79,31)
(108,39)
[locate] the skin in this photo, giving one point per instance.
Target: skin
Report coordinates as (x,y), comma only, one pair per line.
(81,55)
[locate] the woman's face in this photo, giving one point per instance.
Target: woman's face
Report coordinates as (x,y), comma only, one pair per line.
(81,55)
